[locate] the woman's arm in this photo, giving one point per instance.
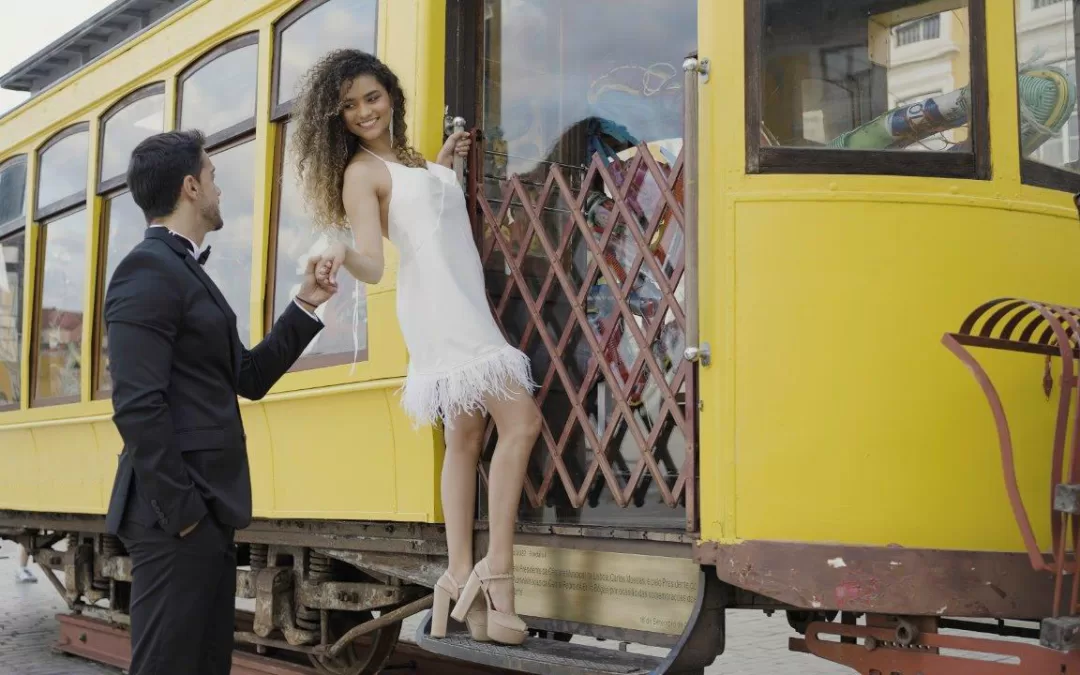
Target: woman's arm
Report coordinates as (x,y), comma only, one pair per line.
(361,202)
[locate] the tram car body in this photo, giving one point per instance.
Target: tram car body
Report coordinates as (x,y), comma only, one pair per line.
(743,243)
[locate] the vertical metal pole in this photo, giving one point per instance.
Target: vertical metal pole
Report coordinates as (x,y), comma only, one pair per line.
(692,68)
(459,161)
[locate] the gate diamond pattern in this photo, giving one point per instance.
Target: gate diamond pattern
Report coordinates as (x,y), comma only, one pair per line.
(597,268)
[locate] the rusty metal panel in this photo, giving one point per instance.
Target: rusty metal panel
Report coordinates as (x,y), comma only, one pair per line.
(585,275)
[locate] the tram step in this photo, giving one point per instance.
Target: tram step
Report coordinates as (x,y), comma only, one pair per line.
(536,655)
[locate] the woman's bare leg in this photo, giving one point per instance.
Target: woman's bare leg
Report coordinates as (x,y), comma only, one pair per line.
(463,445)
(518,423)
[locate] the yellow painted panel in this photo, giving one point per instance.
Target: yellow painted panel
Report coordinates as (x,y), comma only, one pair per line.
(67,469)
(110,445)
(18,469)
(853,423)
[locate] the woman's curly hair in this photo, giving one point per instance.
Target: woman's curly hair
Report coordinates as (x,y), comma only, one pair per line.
(322,146)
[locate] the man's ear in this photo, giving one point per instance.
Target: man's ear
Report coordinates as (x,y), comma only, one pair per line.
(190,187)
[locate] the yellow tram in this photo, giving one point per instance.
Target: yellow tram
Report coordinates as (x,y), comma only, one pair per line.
(732,235)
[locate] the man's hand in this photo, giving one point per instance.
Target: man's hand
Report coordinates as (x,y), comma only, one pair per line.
(319,283)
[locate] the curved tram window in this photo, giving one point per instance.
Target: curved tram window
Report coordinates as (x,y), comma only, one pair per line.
(12,252)
(1046,72)
(126,227)
(903,81)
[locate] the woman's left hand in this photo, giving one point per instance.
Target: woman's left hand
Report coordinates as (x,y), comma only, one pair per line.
(458,144)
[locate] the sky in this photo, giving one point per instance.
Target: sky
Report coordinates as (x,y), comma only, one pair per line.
(29,27)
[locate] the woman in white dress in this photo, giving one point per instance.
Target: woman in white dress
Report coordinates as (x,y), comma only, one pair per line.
(358,170)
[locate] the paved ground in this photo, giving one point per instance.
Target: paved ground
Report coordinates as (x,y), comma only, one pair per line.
(756,644)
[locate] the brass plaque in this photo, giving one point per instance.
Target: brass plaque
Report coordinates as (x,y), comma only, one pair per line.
(622,590)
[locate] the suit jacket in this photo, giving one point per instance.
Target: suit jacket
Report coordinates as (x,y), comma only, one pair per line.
(177,366)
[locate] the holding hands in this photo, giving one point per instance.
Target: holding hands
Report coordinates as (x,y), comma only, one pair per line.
(317,287)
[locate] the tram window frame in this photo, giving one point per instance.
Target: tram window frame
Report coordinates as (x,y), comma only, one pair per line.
(68,202)
(1036,173)
(246,127)
(108,189)
(760,159)
(10,229)
(280,117)
(107,184)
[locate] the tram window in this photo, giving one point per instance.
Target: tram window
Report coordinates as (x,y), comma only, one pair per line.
(1047,71)
(12,252)
(12,194)
(123,226)
(293,243)
(229,264)
(217,92)
(851,87)
(140,115)
(62,171)
(59,316)
(310,31)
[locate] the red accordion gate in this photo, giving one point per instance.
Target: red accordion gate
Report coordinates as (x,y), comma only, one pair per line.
(585,269)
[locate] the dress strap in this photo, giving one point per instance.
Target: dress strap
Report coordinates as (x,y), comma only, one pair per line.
(373,154)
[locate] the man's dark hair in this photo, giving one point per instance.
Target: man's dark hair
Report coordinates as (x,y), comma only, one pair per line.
(158,167)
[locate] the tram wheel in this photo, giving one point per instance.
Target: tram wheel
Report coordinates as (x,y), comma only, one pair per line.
(360,658)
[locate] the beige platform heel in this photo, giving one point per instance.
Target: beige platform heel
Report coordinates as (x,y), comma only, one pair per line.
(501,627)
(475,619)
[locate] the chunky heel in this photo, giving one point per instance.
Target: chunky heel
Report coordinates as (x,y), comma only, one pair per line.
(440,610)
(473,615)
(502,627)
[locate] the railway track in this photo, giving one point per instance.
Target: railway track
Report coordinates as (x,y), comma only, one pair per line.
(106,643)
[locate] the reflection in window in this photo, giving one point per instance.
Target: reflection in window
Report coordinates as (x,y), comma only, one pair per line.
(124,130)
(335,24)
(295,243)
(12,190)
(60,315)
(125,226)
(221,94)
(12,251)
(1046,51)
(229,264)
(63,169)
(832,78)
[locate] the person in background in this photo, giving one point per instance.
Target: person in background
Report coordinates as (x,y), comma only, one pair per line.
(23,575)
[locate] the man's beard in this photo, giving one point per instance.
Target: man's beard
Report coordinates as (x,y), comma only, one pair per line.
(212,217)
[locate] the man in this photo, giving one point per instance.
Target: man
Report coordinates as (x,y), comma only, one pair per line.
(182,486)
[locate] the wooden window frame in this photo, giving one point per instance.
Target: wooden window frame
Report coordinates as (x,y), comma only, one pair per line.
(219,139)
(97,334)
(110,183)
(780,160)
(18,222)
(4,236)
(279,112)
(35,324)
(1036,173)
(67,202)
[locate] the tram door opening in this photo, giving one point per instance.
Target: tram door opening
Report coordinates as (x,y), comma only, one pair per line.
(575,189)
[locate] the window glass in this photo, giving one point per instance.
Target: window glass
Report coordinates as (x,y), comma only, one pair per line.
(1046,68)
(124,130)
(221,93)
(295,243)
(12,190)
(60,317)
(12,253)
(126,226)
(63,169)
(842,75)
(229,264)
(335,24)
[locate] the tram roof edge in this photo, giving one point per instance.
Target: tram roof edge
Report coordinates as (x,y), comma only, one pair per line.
(86,42)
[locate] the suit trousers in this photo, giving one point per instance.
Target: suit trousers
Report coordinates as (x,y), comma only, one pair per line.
(182,598)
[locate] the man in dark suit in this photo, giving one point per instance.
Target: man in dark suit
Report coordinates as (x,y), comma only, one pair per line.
(182,486)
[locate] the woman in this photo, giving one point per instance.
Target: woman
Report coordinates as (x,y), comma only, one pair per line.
(357,168)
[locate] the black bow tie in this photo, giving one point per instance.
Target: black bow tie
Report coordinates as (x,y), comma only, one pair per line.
(187,244)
